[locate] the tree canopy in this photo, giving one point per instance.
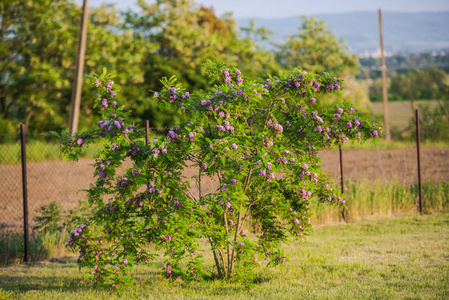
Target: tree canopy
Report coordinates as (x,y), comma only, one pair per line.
(166,38)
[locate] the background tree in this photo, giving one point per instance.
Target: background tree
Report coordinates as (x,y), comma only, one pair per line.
(37,60)
(315,48)
(186,35)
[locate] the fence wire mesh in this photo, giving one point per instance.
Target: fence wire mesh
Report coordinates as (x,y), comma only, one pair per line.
(51,179)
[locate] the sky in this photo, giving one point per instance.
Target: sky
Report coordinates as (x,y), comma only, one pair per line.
(288,8)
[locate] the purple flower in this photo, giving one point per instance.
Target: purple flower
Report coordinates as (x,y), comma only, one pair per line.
(337,116)
(131,234)
(204,165)
(228,205)
(271,175)
(156,95)
(80,142)
(176,203)
(125,262)
(237,72)
(224,187)
(319,129)
(268,165)
(358,134)
(102,167)
(117,124)
(375,132)
(234,145)
(234,181)
(356,123)
(262,173)
(194,253)
(102,174)
(305,166)
(351,110)
(336,87)
(349,124)
(114,103)
(340,110)
(313,100)
(296,221)
(242,244)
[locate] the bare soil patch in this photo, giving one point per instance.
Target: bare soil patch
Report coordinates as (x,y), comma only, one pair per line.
(59,180)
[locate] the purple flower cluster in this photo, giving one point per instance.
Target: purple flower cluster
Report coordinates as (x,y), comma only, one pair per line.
(76,232)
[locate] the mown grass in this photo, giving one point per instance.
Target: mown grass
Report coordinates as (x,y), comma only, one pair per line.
(364,199)
(405,257)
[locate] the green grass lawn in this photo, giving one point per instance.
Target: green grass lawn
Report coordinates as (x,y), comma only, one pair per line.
(388,258)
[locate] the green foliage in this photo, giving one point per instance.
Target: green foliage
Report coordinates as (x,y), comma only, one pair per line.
(316,49)
(185,36)
(37,70)
(251,135)
(413,84)
(48,236)
(49,218)
(434,123)
(399,63)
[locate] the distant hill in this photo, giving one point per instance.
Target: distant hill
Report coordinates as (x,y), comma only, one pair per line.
(403,32)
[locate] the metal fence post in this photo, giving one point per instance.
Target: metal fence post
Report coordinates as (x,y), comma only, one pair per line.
(25,195)
(344,213)
(418,150)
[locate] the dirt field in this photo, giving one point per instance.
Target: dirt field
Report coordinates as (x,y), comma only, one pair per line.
(59,181)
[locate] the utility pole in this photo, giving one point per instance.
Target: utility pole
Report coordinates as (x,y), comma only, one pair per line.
(383,67)
(78,80)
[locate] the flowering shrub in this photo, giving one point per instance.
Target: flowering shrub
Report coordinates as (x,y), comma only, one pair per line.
(260,140)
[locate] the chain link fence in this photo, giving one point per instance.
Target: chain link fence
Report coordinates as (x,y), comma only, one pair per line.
(51,179)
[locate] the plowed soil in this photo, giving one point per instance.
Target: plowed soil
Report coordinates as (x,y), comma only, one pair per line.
(59,181)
